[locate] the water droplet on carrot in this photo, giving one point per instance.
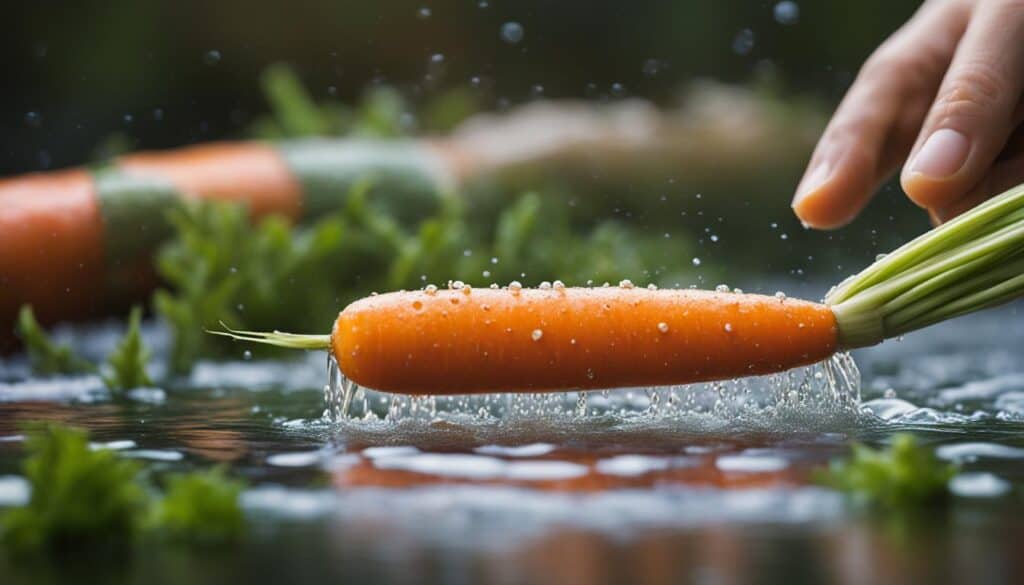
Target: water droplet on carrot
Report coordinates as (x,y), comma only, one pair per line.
(663,327)
(537,334)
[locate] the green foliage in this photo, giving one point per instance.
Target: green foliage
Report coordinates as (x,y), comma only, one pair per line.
(381,113)
(201,508)
(45,356)
(295,114)
(84,499)
(80,497)
(127,363)
(905,475)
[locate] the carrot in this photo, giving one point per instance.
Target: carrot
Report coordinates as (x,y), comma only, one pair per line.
(530,340)
(75,240)
(467,341)
(247,172)
(51,245)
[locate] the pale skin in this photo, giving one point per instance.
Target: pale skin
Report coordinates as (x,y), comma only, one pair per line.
(940,100)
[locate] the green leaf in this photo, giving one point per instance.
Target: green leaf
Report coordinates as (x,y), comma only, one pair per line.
(80,497)
(127,363)
(45,356)
(294,110)
(905,475)
(201,508)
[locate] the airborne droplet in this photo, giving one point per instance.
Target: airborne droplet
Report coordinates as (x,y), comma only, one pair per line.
(511,32)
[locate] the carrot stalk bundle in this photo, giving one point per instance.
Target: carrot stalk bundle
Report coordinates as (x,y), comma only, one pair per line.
(464,340)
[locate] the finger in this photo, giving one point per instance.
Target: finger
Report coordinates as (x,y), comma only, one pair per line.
(1005,174)
(877,121)
(972,115)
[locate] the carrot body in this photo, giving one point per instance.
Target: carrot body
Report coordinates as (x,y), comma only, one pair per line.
(63,233)
(51,244)
(487,340)
(248,172)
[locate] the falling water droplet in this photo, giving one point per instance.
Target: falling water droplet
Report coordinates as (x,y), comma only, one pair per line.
(786,12)
(511,32)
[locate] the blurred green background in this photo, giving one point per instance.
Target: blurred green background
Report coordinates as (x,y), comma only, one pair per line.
(164,74)
(75,72)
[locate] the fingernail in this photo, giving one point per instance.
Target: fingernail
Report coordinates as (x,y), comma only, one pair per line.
(812,182)
(942,155)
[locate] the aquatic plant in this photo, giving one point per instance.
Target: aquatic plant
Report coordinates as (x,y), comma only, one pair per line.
(81,497)
(127,363)
(201,508)
(85,498)
(125,366)
(906,474)
(44,355)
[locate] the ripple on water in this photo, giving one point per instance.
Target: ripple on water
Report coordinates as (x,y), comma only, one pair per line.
(979,485)
(965,452)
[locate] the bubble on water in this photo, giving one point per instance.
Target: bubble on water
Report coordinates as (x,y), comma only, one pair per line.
(558,285)
(663,327)
(652,286)
(786,12)
(536,334)
(456,285)
(722,288)
(713,238)
(494,259)
(695,261)
(545,285)
(743,42)
(430,289)
(494,286)
(515,286)
(889,393)
(512,32)
(626,284)
(618,90)
(212,57)
(737,291)
(34,119)
(247,355)
(780,295)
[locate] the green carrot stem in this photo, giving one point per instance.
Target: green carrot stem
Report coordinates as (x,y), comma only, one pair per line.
(973,262)
(277,338)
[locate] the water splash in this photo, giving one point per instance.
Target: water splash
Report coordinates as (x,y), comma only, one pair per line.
(821,395)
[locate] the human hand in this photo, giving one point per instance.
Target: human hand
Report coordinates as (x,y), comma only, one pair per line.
(942,97)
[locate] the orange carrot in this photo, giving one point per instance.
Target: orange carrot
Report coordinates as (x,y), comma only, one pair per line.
(75,242)
(530,340)
(247,172)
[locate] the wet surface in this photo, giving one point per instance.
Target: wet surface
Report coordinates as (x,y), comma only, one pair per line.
(707,484)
